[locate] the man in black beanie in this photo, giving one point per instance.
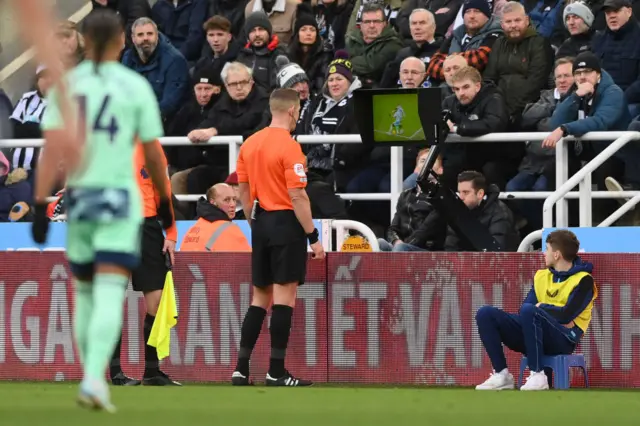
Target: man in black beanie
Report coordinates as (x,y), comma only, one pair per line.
(261,50)
(281,14)
(596,105)
(473,40)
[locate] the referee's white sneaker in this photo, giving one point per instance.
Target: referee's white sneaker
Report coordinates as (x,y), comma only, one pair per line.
(94,394)
(498,381)
(536,382)
(287,380)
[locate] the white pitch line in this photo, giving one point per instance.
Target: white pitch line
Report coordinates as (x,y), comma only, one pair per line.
(400,136)
(26,56)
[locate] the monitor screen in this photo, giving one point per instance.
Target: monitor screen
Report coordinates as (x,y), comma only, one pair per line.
(396,118)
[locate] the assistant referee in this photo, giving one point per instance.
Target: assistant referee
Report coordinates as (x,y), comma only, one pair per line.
(149,276)
(272,180)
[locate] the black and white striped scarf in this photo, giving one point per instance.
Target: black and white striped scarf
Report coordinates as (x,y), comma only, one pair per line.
(29,109)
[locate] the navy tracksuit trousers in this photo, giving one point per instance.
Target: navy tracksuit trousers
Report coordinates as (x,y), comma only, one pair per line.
(533,332)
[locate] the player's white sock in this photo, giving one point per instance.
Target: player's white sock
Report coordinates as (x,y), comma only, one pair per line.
(106,322)
(82,315)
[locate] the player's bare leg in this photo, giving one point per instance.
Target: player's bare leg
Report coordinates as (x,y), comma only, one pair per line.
(251,327)
(284,300)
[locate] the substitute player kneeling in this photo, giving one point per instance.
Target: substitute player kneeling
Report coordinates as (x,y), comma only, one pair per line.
(553,318)
(271,174)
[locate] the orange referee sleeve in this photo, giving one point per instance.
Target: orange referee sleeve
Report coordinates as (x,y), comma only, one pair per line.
(172,232)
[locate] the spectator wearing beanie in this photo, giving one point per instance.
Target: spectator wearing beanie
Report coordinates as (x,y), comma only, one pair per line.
(332,113)
(373,46)
(292,76)
(543,14)
(578,19)
(473,40)
(618,49)
(308,49)
(261,50)
(221,47)
(597,105)
(281,14)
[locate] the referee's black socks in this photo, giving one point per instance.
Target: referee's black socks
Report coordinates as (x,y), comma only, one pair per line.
(251,326)
(280,331)
(151,364)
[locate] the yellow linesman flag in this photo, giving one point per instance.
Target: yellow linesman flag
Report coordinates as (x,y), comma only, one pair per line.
(166,318)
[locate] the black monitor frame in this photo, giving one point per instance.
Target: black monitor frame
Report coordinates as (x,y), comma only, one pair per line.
(429,111)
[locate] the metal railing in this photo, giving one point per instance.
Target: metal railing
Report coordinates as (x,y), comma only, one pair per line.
(559,196)
(582,178)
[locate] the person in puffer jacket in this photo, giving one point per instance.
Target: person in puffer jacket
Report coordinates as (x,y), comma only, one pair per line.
(482,200)
(261,51)
(331,113)
(417,225)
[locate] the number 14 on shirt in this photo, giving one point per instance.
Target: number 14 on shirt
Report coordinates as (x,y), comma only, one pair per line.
(99,124)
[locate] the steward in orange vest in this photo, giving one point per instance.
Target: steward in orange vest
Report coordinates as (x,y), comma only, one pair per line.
(214,230)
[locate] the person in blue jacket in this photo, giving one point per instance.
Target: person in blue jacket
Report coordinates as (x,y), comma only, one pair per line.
(182,22)
(544,14)
(596,105)
(552,320)
(160,63)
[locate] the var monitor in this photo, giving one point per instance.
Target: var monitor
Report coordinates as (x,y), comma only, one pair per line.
(398,117)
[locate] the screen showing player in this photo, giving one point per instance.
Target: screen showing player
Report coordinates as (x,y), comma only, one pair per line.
(396,118)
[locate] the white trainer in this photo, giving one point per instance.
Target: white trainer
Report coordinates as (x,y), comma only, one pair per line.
(536,382)
(94,394)
(498,381)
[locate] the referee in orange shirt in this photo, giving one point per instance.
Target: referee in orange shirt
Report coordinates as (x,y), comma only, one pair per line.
(272,179)
(156,257)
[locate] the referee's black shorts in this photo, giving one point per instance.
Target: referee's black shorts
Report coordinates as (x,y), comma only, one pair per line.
(278,249)
(152,271)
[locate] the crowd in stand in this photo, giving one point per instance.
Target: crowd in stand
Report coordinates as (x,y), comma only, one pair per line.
(556,66)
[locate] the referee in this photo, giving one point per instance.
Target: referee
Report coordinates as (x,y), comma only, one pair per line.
(149,277)
(272,179)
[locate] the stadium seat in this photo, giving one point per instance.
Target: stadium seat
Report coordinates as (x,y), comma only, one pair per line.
(560,364)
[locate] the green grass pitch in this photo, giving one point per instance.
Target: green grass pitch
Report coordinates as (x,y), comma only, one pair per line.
(36,404)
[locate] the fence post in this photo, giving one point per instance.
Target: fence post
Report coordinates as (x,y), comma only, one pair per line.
(233,155)
(396,177)
(585,202)
(562,175)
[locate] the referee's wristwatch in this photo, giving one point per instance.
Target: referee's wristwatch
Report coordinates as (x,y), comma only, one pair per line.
(313,236)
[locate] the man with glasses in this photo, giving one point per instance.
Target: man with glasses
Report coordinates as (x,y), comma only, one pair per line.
(537,169)
(372,46)
(239,111)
